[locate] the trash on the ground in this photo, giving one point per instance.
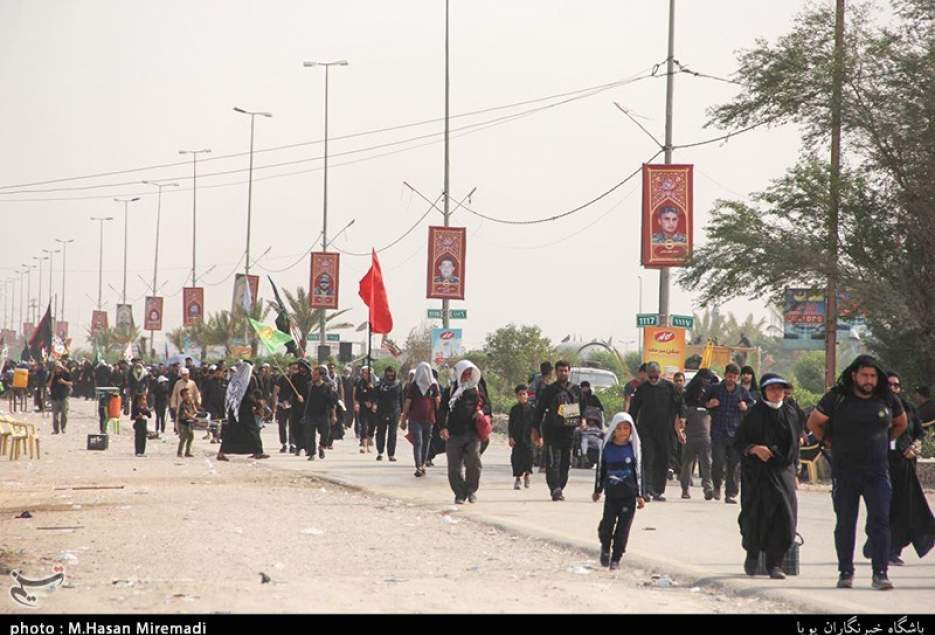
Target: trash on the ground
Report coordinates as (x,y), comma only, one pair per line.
(579,569)
(264,579)
(279,566)
(649,529)
(451,521)
(67,556)
(452,508)
(123,584)
(663,582)
(25,515)
(393,578)
(323,490)
(474,567)
(313,531)
(67,530)
(695,589)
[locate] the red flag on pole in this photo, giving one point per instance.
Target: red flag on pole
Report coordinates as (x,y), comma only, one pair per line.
(373,293)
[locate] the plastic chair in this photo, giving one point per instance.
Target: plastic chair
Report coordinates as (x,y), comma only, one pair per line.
(32,440)
(5,434)
(18,440)
(810,463)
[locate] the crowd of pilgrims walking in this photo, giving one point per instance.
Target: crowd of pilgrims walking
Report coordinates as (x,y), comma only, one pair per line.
(744,437)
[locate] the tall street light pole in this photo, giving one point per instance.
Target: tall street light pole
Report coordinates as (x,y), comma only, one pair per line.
(670,86)
(22,286)
(51,269)
(39,305)
(446,303)
(100,265)
(250,180)
(28,269)
(194,154)
(64,244)
(126,203)
(159,187)
(324,224)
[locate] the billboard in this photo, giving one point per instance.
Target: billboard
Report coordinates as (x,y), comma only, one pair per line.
(152,317)
(324,278)
(240,290)
(665,345)
(803,323)
(98,321)
(446,266)
(193,305)
(667,215)
(124,318)
(446,344)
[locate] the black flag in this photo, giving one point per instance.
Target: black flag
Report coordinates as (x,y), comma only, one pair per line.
(282,320)
(41,339)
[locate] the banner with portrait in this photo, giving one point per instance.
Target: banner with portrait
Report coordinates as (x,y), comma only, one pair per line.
(152,318)
(239,301)
(446,265)
(324,279)
(98,321)
(193,305)
(61,330)
(124,318)
(667,215)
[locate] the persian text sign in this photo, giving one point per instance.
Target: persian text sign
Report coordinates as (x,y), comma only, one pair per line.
(665,345)
(324,280)
(667,215)
(445,274)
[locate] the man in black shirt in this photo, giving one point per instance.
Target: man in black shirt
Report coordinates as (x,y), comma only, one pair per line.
(283,398)
(656,407)
(365,407)
(558,413)
(320,400)
(858,418)
(296,414)
(59,386)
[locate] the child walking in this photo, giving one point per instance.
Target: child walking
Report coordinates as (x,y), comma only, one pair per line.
(520,440)
(140,415)
(619,476)
(186,421)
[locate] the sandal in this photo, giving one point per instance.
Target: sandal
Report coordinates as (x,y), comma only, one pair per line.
(221,457)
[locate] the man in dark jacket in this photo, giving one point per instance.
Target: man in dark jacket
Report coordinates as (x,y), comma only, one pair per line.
(558,414)
(389,406)
(457,427)
(656,407)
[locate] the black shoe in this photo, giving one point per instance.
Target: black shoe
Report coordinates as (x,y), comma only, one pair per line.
(418,472)
(846,581)
(292,448)
(659,498)
(685,494)
(283,450)
(392,459)
(708,495)
(311,457)
(605,558)
(670,475)
(459,501)
(749,566)
(730,500)
(881,582)
(557,495)
(429,463)
(379,457)
(896,561)
(776,574)
(321,453)
(868,550)
(614,565)
(472,498)
(716,495)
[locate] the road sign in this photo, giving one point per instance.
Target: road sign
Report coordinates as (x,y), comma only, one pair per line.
(454,314)
(647,319)
(332,337)
(684,321)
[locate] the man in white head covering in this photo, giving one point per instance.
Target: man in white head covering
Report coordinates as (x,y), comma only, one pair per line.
(185,381)
(422,400)
(457,428)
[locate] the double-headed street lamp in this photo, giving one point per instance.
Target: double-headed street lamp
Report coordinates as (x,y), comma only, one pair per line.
(126,202)
(253,115)
(194,154)
(100,266)
(324,224)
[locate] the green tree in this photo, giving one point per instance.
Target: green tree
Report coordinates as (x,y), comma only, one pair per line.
(887,214)
(514,352)
(809,371)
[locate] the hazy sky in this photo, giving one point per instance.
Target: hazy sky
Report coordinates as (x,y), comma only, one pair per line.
(107,85)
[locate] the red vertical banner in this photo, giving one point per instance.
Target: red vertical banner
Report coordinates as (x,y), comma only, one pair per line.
(61,330)
(193,305)
(238,302)
(667,215)
(152,316)
(446,266)
(98,321)
(324,280)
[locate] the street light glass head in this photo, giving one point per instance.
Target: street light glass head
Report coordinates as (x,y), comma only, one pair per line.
(238,109)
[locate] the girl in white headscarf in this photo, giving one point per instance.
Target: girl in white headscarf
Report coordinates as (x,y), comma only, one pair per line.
(457,428)
(620,477)
(422,399)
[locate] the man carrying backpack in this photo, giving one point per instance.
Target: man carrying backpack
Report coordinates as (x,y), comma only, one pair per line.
(858,419)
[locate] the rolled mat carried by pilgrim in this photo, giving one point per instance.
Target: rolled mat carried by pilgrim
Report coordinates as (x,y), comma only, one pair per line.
(790,562)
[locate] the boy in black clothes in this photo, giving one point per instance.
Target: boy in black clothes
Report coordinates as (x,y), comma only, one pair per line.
(520,428)
(619,477)
(140,414)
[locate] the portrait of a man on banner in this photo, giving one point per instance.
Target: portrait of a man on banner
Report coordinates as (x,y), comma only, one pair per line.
(153,314)
(239,301)
(324,280)
(193,303)
(445,275)
(124,319)
(98,321)
(667,215)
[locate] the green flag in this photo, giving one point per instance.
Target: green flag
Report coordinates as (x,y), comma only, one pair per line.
(271,337)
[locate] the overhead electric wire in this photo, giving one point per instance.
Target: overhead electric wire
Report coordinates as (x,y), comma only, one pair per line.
(595,89)
(396,241)
(300,259)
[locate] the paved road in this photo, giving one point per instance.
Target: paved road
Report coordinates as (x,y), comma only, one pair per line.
(697,541)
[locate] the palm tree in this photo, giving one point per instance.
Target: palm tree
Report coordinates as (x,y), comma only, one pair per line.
(219,330)
(307,319)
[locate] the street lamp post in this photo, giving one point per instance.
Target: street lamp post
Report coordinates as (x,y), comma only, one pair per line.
(64,244)
(51,269)
(126,203)
(100,266)
(39,305)
(324,225)
(28,269)
(159,187)
(194,154)
(250,180)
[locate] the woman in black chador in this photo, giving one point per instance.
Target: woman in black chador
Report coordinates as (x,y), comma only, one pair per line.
(768,441)
(241,433)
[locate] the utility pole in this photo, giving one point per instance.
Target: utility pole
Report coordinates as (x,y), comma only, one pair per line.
(670,86)
(64,244)
(249,181)
(831,298)
(446,303)
(100,264)
(51,269)
(126,203)
(159,187)
(194,154)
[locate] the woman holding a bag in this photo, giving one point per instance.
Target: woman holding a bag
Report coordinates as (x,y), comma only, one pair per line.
(768,442)
(464,422)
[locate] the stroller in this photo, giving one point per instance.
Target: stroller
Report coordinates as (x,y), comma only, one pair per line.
(587,443)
